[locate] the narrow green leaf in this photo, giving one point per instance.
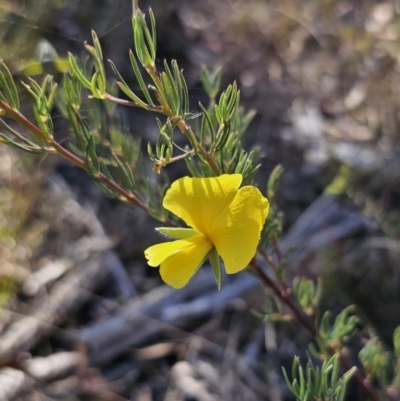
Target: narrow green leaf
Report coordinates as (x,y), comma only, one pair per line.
(109,192)
(153,34)
(150,152)
(126,174)
(232,100)
(221,142)
(139,77)
(295,366)
(93,85)
(101,83)
(34,87)
(192,167)
(73,119)
(302,383)
(210,125)
(167,93)
(288,382)
(216,266)
(96,43)
(8,141)
(150,39)
(178,81)
(30,91)
(77,71)
(173,89)
(132,96)
(41,121)
(92,161)
(142,41)
(51,97)
(6,90)
(10,86)
(48,81)
(218,114)
(18,135)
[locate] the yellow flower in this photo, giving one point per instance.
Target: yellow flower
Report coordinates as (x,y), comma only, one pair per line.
(221,215)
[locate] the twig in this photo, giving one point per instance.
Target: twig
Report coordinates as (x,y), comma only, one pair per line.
(286,296)
(267,258)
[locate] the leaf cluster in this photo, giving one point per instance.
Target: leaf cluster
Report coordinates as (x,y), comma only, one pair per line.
(381,364)
(44,97)
(214,146)
(318,383)
(332,337)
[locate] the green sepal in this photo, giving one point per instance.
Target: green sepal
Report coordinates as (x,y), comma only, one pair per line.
(177,232)
(216,266)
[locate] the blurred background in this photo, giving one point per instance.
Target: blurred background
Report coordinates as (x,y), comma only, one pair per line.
(84,318)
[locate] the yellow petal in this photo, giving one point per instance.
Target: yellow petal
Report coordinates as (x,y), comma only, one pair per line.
(179,259)
(236,232)
(199,201)
(156,254)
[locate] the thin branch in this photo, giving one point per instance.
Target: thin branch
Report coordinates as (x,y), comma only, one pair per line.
(286,297)
(16,115)
(267,258)
(275,266)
